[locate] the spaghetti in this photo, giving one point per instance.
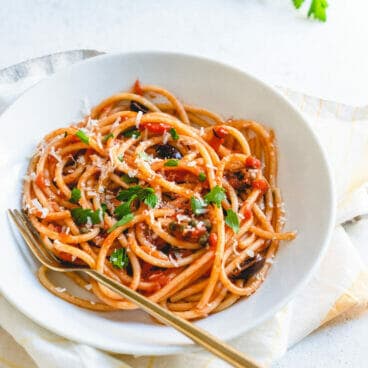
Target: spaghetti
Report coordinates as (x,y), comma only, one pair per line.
(164,197)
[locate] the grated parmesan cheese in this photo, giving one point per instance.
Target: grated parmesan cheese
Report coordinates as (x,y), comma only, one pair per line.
(55,154)
(250,253)
(37,204)
(88,286)
(138,119)
(132,173)
(269,260)
(116,123)
(181,218)
(165,137)
(201,131)
(173,261)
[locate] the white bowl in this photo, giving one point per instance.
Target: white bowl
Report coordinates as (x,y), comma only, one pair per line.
(304,178)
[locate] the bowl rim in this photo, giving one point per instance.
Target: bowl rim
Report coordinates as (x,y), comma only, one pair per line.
(180,348)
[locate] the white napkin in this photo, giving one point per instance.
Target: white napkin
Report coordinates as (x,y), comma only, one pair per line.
(340,283)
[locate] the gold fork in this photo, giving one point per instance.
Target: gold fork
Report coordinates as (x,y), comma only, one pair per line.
(199,336)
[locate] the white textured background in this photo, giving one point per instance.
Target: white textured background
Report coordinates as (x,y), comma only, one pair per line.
(265,37)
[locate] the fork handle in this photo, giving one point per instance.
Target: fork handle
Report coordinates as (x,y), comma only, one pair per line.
(195,333)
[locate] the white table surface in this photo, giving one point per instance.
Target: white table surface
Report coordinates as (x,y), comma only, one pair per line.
(265,37)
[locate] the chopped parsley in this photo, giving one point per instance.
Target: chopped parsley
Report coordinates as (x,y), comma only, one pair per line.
(81,215)
(124,208)
(107,137)
(128,179)
(124,220)
(82,136)
(104,207)
(120,158)
(75,195)
(172,162)
(216,196)
(119,258)
(317,8)
(197,205)
(147,195)
(202,177)
(174,134)
(232,220)
(132,132)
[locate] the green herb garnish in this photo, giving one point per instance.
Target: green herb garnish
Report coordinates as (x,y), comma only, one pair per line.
(197,205)
(174,134)
(81,215)
(232,220)
(172,162)
(119,258)
(82,136)
(128,179)
(124,220)
(317,8)
(216,196)
(132,132)
(124,209)
(107,137)
(202,177)
(147,195)
(75,195)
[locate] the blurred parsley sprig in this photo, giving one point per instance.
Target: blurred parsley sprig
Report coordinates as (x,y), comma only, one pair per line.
(316,10)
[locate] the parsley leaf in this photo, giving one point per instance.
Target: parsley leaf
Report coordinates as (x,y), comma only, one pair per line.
(129,179)
(317,9)
(104,207)
(172,162)
(132,132)
(147,195)
(174,134)
(82,136)
(81,215)
(121,158)
(124,208)
(151,200)
(197,205)
(119,258)
(124,220)
(75,195)
(126,194)
(216,196)
(107,137)
(298,3)
(202,177)
(232,220)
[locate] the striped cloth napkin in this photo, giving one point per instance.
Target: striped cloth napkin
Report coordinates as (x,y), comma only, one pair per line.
(340,283)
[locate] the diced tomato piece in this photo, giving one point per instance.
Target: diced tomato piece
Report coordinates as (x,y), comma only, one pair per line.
(179,175)
(220,132)
(218,137)
(161,277)
(137,89)
(252,162)
(40,181)
(155,128)
(213,241)
(261,185)
(247,213)
(67,257)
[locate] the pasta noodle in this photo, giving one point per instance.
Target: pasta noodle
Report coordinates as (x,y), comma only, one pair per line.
(161,196)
